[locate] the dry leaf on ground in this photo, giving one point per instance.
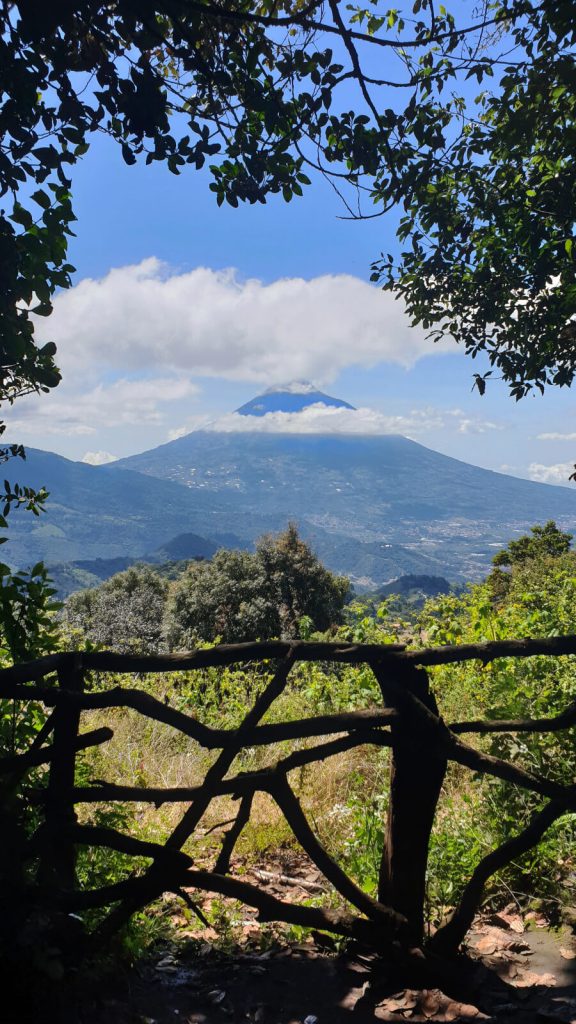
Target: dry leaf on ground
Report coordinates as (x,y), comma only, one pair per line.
(430,1002)
(400,1002)
(509,920)
(462,1011)
(492,940)
(536,919)
(527,979)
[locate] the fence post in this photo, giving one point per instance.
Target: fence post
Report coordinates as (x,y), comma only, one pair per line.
(58,867)
(416,777)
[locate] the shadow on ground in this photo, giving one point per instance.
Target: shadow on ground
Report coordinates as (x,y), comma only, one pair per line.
(507,975)
(522,981)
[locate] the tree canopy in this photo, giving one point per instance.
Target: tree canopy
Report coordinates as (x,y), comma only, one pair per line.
(124,613)
(273,592)
(243,596)
(535,548)
(378,99)
(547,540)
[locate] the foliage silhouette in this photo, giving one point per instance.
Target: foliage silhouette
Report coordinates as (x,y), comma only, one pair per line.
(263,90)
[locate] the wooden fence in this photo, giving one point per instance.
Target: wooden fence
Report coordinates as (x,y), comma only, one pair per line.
(408,723)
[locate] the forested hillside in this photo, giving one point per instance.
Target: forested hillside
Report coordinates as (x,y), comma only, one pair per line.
(373,508)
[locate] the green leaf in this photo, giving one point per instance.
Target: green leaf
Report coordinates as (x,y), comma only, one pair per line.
(42,199)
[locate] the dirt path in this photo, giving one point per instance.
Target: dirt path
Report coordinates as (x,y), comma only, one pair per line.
(514,971)
(521,978)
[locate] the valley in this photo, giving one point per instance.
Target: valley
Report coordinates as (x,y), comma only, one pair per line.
(373,507)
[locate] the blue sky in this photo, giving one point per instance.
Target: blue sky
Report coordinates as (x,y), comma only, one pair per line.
(138,371)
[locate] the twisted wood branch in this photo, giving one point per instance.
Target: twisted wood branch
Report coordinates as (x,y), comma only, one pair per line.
(43,755)
(448,938)
(222,865)
(214,777)
(139,890)
(422,729)
(243,783)
(229,654)
(206,736)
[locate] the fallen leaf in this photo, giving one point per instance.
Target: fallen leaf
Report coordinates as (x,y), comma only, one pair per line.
(252,928)
(217,996)
(400,1002)
(509,920)
(506,970)
(167,965)
(519,946)
(538,920)
(380,1013)
(527,979)
(486,945)
(430,1002)
(457,1011)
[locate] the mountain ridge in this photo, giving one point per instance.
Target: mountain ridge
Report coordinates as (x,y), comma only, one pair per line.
(383,489)
(374,507)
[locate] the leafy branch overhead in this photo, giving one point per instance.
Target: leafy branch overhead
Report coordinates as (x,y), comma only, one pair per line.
(384,102)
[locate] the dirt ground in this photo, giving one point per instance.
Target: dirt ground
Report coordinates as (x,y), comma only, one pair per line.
(507,975)
(514,968)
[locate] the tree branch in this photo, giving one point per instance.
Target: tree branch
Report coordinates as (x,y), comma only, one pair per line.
(222,865)
(43,755)
(238,785)
(448,938)
(212,780)
(282,793)
(270,908)
(562,721)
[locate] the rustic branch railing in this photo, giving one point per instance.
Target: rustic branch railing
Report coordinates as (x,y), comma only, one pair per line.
(408,723)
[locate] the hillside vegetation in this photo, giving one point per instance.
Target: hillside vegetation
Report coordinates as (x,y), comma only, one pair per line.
(373,508)
(275,592)
(283,590)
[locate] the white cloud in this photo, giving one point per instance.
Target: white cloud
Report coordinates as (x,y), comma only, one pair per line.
(192,423)
(556,437)
(556,474)
(98,458)
(177,432)
(322,419)
(469,425)
(122,403)
(212,323)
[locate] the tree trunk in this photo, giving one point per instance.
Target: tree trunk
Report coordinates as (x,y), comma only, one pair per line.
(58,864)
(416,777)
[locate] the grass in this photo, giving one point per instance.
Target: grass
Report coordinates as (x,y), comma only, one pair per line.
(334,793)
(344,797)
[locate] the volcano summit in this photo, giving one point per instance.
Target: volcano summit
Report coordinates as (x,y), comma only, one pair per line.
(374,506)
(292,397)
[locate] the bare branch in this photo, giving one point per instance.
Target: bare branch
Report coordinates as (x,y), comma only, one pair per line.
(136,890)
(561,721)
(238,785)
(448,938)
(222,865)
(289,805)
(43,755)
